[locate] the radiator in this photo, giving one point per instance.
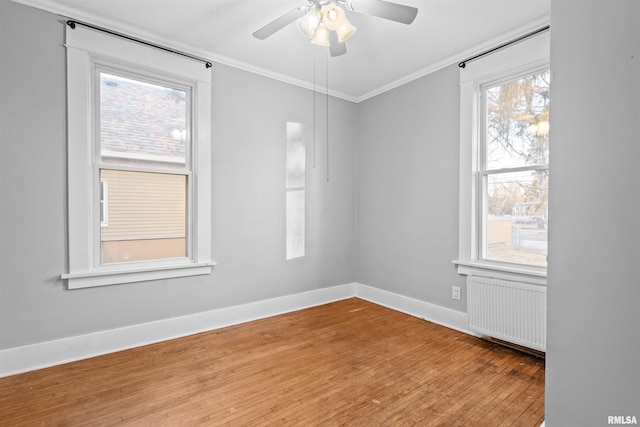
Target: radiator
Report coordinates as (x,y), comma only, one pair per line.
(510,311)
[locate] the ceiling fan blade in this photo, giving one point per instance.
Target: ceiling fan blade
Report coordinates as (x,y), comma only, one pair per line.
(335,47)
(384,9)
(279,23)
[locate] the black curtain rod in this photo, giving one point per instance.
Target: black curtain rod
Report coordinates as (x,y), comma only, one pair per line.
(71,23)
(463,64)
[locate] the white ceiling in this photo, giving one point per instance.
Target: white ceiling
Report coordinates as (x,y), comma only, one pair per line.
(382,54)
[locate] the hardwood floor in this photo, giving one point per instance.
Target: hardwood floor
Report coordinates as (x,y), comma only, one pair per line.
(350,363)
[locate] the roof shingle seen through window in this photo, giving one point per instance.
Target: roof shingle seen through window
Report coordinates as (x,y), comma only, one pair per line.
(141,120)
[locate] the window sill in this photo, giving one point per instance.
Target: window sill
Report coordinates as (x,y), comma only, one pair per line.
(496,271)
(130,275)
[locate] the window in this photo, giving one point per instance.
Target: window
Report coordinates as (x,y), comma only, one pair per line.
(295,190)
(139,162)
(514,170)
(143,156)
(504,163)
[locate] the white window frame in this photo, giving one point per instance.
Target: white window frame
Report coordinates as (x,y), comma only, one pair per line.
(529,55)
(85,49)
(104,203)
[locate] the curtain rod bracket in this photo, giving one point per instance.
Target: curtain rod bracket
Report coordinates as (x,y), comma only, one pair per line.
(72,24)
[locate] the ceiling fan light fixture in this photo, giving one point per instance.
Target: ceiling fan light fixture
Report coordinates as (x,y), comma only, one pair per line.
(309,23)
(325,23)
(321,37)
(333,17)
(345,31)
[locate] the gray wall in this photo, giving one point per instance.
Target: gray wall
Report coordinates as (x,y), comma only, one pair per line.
(593,352)
(408,154)
(407,157)
(249,124)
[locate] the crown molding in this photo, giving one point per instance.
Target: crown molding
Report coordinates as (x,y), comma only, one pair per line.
(112,25)
(533,25)
(72,13)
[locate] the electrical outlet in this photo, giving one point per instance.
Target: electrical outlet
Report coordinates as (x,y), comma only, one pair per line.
(455,292)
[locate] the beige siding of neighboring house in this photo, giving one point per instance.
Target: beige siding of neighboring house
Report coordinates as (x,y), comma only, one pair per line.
(146,216)
(499,231)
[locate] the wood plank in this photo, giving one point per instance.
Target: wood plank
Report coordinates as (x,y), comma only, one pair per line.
(346,363)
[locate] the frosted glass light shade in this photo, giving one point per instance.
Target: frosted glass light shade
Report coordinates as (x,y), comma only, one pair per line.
(345,31)
(321,37)
(309,23)
(333,17)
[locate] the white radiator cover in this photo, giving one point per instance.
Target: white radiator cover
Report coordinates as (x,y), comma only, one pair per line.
(515,312)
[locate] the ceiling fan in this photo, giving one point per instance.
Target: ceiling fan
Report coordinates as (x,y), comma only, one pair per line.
(325,22)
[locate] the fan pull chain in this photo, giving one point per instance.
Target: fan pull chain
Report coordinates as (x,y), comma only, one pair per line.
(327,122)
(313,137)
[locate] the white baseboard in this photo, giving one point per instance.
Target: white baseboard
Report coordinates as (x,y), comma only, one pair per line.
(434,313)
(50,353)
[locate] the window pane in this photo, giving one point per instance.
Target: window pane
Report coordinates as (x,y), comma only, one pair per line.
(142,123)
(295,184)
(516,217)
(517,123)
(147,216)
(295,224)
(296,156)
